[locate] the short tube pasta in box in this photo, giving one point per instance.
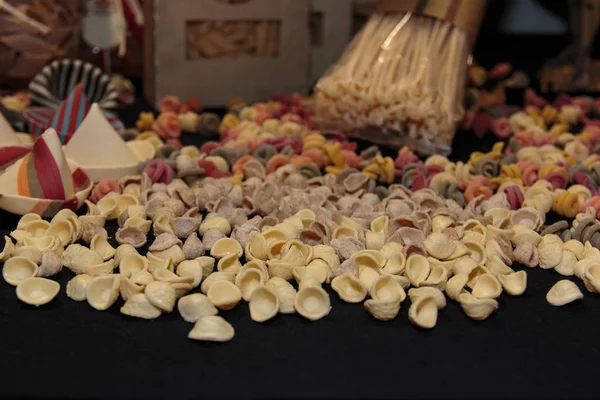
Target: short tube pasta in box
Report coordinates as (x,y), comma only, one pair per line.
(401,80)
(218,50)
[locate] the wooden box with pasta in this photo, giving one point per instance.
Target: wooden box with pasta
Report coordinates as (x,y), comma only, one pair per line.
(219,49)
(401,80)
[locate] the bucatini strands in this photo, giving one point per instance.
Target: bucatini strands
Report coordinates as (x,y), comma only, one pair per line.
(403,74)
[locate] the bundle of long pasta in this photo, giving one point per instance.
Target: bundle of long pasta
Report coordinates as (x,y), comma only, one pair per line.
(401,80)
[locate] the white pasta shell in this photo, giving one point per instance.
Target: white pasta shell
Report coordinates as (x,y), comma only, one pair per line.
(215,277)
(121,251)
(259,266)
(374,240)
(487,287)
(395,264)
(464,265)
(226,247)
(476,251)
(591,278)
(285,292)
(456,286)
(37,291)
(497,267)
(224,294)
(7,250)
(307,216)
(62,230)
(195,306)
(438,295)
(166,275)
(381,224)
(312,303)
(139,306)
(280,269)
(441,222)
(36,228)
(155,263)
(498,214)
(308,282)
(128,288)
(439,246)
(417,269)
(475,274)
(190,268)
(563,292)
(515,283)
(383,310)
(567,263)
(106,267)
(437,277)
(230,263)
(107,207)
(212,328)
(141,277)
(550,251)
(162,224)
(256,248)
(215,222)
(477,309)
(43,243)
(27,218)
(77,287)
(161,295)
(142,224)
(423,312)
(387,288)
(574,246)
(100,245)
(50,264)
(248,280)
(103,291)
(79,258)
(174,254)
(349,288)
(131,263)
(29,252)
(525,236)
(207,264)
(17,269)
(264,304)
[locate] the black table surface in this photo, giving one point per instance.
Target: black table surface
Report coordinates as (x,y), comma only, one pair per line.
(527,349)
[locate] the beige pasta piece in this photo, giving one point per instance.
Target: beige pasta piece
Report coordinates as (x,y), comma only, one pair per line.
(226,247)
(37,291)
(173,253)
(123,250)
(132,263)
(439,246)
(437,295)
(36,228)
(212,328)
(574,246)
(100,245)
(224,294)
(107,207)
(477,309)
(103,291)
(264,304)
(526,235)
(139,306)
(280,269)
(62,230)
(17,269)
(417,269)
(514,283)
(50,264)
(423,312)
(497,266)
(464,265)
(308,282)
(107,267)
(215,277)
(29,252)
(215,222)
(161,295)
(142,224)
(166,275)
(312,303)
(475,274)
(550,251)
(27,218)
(162,224)
(248,280)
(285,292)
(79,258)
(349,288)
(207,264)
(566,266)
(195,306)
(230,263)
(563,292)
(387,288)
(487,287)
(456,286)
(7,250)
(437,278)
(383,310)
(190,268)
(476,251)
(77,287)
(256,248)
(591,278)
(141,277)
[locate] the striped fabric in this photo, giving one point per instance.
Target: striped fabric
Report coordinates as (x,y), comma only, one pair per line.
(56,80)
(40,174)
(67,118)
(10,154)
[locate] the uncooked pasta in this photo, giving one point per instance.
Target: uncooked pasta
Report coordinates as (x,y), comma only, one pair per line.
(403,75)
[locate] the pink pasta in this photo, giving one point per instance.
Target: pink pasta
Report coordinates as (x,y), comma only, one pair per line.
(529,172)
(593,202)
(515,196)
(557,179)
(159,172)
(405,156)
(104,187)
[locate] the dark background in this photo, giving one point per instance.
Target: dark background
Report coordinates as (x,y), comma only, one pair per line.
(527,349)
